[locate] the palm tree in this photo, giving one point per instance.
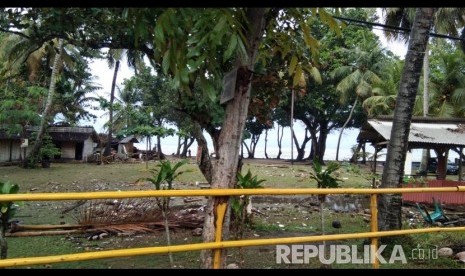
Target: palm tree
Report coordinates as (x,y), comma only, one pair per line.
(18,51)
(46,113)
(383,100)
(126,109)
(359,77)
(447,20)
(403,17)
(114,57)
(390,205)
(73,102)
(447,80)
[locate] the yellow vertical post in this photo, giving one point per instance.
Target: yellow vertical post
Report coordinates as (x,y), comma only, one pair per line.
(220,213)
(374,228)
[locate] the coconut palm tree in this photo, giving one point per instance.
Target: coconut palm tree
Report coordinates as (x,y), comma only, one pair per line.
(73,101)
(46,113)
(383,100)
(447,80)
(125,109)
(114,57)
(447,20)
(390,205)
(18,51)
(358,77)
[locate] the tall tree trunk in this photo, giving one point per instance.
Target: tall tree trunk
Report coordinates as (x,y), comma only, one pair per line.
(301,148)
(48,105)
(186,145)
(390,216)
(321,144)
(178,149)
(107,151)
(425,153)
(161,155)
(229,141)
(314,144)
(204,161)
(249,153)
(344,126)
(266,142)
(279,137)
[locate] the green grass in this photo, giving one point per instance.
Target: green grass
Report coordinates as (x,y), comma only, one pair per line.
(298,217)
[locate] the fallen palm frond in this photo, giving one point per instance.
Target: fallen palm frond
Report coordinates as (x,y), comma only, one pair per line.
(128,216)
(135,216)
(44,233)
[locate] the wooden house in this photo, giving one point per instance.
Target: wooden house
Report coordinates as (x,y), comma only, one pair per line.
(126,146)
(75,143)
(10,147)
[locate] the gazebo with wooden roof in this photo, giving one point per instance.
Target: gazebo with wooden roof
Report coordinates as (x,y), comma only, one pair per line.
(438,134)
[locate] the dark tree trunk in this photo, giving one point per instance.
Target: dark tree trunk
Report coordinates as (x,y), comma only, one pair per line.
(266,142)
(321,144)
(280,133)
(389,204)
(107,151)
(178,148)
(301,149)
(314,142)
(253,145)
(188,141)
(249,152)
(204,161)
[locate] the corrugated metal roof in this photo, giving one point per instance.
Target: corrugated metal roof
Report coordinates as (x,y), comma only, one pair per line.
(433,133)
(130,138)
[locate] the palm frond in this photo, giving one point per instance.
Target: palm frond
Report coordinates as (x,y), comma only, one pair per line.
(458,96)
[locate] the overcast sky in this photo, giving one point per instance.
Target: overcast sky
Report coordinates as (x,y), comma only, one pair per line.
(104,76)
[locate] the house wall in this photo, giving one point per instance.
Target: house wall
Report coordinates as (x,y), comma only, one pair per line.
(88,148)
(130,147)
(68,150)
(5,150)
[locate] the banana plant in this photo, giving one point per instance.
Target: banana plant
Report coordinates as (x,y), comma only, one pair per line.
(163,177)
(7,211)
(325,179)
(164,174)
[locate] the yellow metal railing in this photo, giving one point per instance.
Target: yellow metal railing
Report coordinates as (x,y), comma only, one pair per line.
(218,244)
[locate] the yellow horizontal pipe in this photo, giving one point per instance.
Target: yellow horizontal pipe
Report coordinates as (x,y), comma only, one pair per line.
(218,192)
(211,245)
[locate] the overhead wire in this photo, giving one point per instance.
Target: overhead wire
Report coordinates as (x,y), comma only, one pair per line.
(393,28)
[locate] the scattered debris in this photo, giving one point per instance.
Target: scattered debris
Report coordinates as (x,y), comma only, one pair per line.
(191,199)
(101,218)
(460,256)
(197,232)
(232,266)
(74,206)
(445,252)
